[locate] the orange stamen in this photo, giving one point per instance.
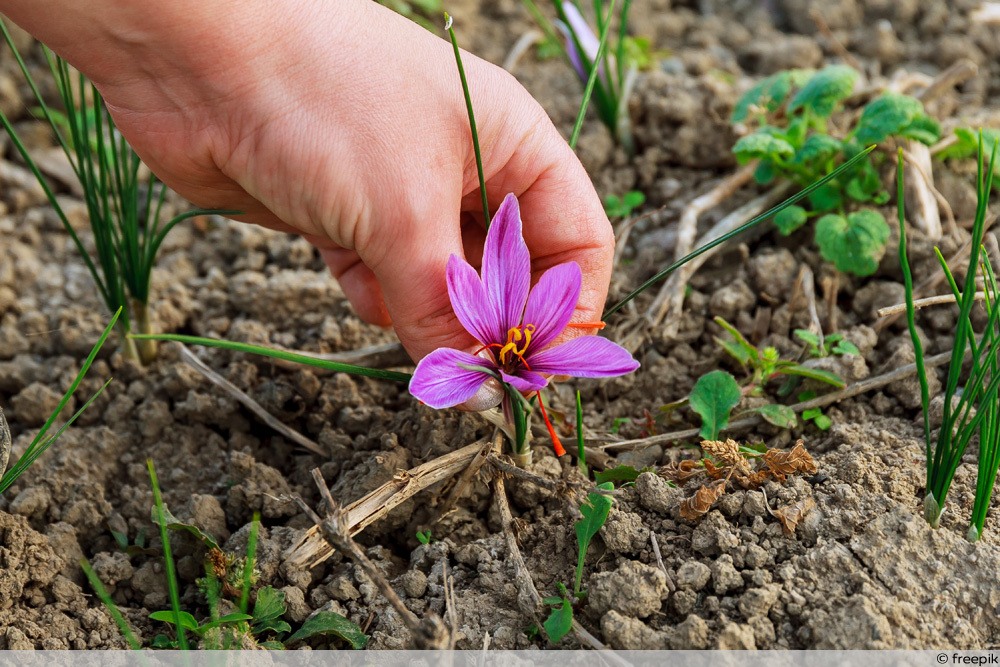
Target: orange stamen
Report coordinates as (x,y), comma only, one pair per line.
(596,326)
(556,444)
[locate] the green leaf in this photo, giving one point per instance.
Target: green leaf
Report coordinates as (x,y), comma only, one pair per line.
(825,90)
(167,616)
(330,623)
(560,620)
(761,144)
(886,116)
(817,150)
(175,524)
(617,474)
(268,610)
(765,173)
(766,95)
(854,244)
(595,511)
(924,129)
(813,374)
(714,396)
(826,198)
(816,416)
(789,219)
(967,144)
(781,416)
(865,185)
(845,347)
(740,348)
(807,336)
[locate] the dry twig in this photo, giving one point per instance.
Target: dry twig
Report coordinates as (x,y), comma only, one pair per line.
(923,303)
(312,549)
(521,46)
(475,465)
(244,399)
(5,443)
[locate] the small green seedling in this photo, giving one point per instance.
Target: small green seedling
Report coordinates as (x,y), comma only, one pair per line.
(622,207)
(825,346)
(815,415)
(424,536)
(794,140)
(595,510)
(966,144)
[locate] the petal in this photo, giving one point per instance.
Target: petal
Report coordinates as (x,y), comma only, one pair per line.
(506,265)
(471,304)
(584,357)
(588,40)
(440,380)
(574,55)
(525,380)
(552,302)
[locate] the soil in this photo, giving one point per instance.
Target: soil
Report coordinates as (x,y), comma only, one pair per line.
(861,570)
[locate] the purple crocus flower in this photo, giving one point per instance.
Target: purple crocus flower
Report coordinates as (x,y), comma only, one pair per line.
(514,326)
(584,35)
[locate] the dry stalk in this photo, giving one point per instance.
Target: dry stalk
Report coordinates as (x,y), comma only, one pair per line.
(5,443)
(838,47)
(806,286)
(856,389)
(671,296)
(521,46)
(470,472)
(671,586)
(922,198)
(311,549)
(923,303)
(429,632)
(252,405)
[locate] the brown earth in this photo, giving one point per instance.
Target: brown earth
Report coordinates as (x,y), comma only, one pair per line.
(862,570)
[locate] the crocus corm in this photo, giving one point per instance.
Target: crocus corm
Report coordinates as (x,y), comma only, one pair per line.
(515,324)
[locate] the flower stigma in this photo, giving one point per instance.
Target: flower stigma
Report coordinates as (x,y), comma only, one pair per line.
(514,336)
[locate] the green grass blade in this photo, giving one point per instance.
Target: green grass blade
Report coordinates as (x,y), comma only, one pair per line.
(376,373)
(472,118)
(248,565)
(39,441)
(109,604)
(168,558)
(595,70)
(739,230)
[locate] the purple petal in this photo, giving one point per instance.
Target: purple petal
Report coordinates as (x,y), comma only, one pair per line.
(525,380)
(552,302)
(588,40)
(440,380)
(471,304)
(574,55)
(506,266)
(584,357)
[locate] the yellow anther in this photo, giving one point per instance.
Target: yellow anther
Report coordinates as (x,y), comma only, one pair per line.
(514,336)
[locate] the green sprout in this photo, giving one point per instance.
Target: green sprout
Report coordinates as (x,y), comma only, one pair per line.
(124,206)
(42,440)
(825,346)
(792,140)
(971,392)
(622,207)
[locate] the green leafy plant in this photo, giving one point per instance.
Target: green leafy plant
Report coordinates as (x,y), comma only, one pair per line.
(966,144)
(825,346)
(423,536)
(594,511)
(43,440)
(622,207)
(124,206)
(971,392)
(794,140)
(717,393)
(605,65)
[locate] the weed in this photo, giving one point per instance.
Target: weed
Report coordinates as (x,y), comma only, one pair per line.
(825,346)
(423,536)
(793,140)
(124,207)
(622,207)
(971,398)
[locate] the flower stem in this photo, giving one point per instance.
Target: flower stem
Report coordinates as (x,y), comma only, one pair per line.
(147,347)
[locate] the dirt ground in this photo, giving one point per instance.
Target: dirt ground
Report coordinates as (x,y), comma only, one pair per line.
(862,569)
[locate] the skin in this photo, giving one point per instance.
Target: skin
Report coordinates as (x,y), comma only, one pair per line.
(344,123)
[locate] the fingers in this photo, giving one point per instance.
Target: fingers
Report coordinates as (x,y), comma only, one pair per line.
(358,284)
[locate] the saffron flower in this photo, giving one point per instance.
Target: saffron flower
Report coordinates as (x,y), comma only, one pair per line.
(589,42)
(514,324)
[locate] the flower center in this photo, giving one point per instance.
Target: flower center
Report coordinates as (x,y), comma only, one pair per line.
(514,336)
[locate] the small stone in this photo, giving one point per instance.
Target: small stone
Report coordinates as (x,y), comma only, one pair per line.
(656,495)
(343,589)
(35,403)
(725,577)
(735,637)
(693,575)
(414,583)
(731,299)
(634,589)
(691,633)
(758,601)
(295,603)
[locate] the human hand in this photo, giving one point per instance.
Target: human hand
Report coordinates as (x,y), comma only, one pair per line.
(344,123)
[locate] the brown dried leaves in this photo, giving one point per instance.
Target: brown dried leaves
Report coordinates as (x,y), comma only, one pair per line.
(747,467)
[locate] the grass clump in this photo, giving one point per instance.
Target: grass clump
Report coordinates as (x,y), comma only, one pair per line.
(793,139)
(971,392)
(125,203)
